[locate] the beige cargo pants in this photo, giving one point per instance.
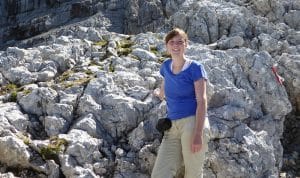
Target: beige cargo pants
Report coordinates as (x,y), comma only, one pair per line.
(175,150)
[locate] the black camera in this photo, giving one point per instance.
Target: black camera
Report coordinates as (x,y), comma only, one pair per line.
(163,124)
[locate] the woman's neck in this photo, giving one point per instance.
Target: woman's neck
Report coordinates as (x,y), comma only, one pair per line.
(178,61)
(177,65)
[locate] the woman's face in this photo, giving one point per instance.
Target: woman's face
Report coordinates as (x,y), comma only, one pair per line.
(176,46)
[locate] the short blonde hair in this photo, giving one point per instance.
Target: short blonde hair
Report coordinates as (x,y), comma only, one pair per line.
(175,32)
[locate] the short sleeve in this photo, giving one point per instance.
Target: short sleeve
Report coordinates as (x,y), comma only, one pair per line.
(161,70)
(164,66)
(198,71)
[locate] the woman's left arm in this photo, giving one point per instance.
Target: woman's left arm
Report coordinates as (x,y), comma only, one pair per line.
(200,91)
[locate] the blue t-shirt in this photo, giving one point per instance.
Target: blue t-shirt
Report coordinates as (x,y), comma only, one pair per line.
(179,89)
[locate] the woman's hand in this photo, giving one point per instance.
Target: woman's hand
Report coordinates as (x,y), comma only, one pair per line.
(157,92)
(196,142)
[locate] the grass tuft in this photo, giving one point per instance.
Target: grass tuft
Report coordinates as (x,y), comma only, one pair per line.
(52,150)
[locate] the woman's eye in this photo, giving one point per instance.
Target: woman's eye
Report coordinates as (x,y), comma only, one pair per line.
(176,42)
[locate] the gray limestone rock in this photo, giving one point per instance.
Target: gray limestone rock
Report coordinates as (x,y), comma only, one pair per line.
(73,83)
(14,152)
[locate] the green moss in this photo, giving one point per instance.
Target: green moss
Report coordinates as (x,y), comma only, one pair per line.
(134,57)
(64,82)
(27,92)
(79,82)
(12,87)
(12,90)
(68,85)
(126,43)
(101,43)
(124,47)
(25,139)
(111,68)
(13,96)
(124,51)
(88,72)
(8,89)
(64,76)
(101,68)
(154,50)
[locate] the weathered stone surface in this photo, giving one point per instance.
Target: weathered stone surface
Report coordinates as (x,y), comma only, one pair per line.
(93,88)
(14,152)
(12,118)
(21,19)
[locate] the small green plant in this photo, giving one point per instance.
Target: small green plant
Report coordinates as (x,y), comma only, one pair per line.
(124,47)
(101,68)
(23,137)
(64,76)
(124,51)
(68,85)
(8,88)
(111,68)
(27,141)
(101,43)
(12,90)
(13,96)
(134,57)
(26,92)
(88,72)
(52,150)
(126,43)
(79,82)
(154,50)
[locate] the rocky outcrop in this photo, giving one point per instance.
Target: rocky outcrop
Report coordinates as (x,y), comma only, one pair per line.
(21,19)
(77,101)
(102,107)
(142,16)
(208,21)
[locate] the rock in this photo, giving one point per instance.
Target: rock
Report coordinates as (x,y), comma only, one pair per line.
(54,125)
(137,137)
(292,19)
(21,19)
(82,149)
(143,54)
(230,43)
(7,175)
(37,101)
(12,118)
(76,84)
(143,16)
(290,72)
(14,152)
(267,43)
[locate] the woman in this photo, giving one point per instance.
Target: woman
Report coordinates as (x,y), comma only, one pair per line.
(184,87)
